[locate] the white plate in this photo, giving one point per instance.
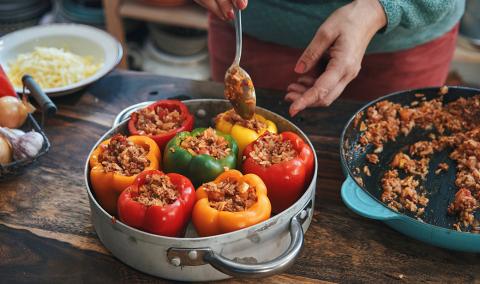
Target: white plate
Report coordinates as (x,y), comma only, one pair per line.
(79,39)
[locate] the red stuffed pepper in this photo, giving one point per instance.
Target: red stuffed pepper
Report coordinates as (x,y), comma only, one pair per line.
(158,203)
(284,162)
(161,121)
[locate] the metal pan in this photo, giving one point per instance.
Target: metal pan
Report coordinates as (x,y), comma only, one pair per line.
(267,248)
(435,227)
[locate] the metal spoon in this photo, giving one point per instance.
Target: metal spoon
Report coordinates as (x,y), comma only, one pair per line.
(239,88)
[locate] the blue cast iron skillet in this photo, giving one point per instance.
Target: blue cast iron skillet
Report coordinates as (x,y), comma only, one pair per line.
(364,197)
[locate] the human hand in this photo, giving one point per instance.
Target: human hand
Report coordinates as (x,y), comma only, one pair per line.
(223,8)
(345,36)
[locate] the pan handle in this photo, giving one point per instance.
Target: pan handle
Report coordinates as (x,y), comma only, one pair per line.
(277,265)
(363,204)
(200,256)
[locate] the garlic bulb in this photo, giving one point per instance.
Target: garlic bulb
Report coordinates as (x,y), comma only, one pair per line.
(26,145)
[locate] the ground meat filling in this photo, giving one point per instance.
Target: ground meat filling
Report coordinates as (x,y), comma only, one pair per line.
(464,205)
(373,158)
(460,119)
(382,124)
(123,157)
(157,190)
(232,117)
(230,195)
(271,149)
(442,167)
(157,121)
(411,166)
(208,142)
(401,194)
(421,149)
(236,84)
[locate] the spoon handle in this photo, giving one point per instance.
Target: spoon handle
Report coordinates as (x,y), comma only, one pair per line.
(238,35)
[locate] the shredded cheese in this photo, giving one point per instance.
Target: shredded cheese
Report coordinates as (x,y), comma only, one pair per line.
(52,67)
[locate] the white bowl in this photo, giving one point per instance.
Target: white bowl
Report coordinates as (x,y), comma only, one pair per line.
(79,39)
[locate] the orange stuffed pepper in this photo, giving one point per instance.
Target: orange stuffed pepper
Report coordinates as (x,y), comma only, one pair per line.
(115,164)
(231,202)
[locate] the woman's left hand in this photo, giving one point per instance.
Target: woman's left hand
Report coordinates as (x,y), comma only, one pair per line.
(346,35)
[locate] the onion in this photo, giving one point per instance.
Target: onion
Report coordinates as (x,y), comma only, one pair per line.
(6,151)
(13,111)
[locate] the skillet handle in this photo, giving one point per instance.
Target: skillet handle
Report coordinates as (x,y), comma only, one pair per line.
(363,204)
(277,265)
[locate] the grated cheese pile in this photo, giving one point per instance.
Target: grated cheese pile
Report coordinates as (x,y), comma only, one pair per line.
(52,67)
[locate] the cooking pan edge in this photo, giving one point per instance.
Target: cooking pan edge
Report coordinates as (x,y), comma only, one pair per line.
(254,245)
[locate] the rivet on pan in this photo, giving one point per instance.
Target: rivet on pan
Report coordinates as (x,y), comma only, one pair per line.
(175,261)
(201,113)
(192,254)
(303,214)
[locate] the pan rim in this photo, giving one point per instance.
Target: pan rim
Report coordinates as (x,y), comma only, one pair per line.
(301,202)
(348,171)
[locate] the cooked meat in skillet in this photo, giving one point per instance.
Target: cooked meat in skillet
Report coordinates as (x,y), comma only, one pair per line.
(454,126)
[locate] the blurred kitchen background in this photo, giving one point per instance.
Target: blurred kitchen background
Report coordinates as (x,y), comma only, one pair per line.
(169,37)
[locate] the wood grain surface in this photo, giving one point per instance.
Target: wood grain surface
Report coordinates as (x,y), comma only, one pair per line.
(46,234)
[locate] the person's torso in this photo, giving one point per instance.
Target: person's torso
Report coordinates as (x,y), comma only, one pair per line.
(294,23)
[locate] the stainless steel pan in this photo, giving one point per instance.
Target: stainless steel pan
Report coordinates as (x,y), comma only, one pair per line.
(258,251)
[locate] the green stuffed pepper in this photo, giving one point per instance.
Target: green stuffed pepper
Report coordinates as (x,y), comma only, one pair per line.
(201,155)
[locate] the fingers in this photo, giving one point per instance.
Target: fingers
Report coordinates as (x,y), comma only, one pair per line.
(322,40)
(226,7)
(323,98)
(322,87)
(295,90)
(213,7)
(335,93)
(292,96)
(325,89)
(241,4)
(223,8)
(306,80)
(296,87)
(310,97)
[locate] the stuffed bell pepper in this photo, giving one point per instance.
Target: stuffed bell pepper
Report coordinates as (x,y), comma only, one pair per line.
(161,121)
(243,131)
(231,202)
(284,162)
(200,155)
(115,164)
(158,203)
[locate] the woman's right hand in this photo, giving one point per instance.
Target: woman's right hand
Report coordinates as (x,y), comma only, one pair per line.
(223,8)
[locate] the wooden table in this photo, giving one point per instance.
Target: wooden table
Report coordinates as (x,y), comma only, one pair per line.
(46,234)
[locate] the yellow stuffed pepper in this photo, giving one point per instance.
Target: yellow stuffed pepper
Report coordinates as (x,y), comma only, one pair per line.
(243,131)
